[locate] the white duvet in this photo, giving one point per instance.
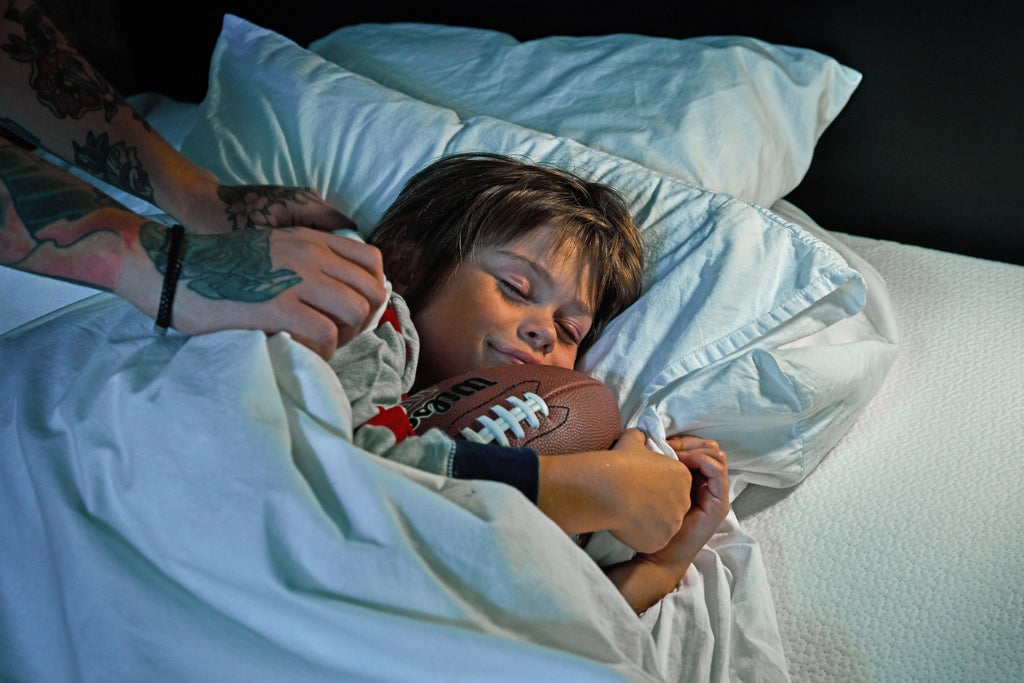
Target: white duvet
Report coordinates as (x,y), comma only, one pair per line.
(190,509)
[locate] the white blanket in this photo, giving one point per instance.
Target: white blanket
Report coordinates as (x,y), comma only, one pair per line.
(189,509)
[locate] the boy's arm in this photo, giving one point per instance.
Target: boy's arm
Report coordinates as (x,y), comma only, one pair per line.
(647,578)
(638,495)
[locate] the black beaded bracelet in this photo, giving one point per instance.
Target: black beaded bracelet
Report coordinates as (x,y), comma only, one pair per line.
(175,257)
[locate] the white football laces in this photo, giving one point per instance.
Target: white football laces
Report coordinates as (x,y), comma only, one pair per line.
(494,429)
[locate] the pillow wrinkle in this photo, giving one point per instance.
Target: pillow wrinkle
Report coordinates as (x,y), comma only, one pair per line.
(775,100)
(726,277)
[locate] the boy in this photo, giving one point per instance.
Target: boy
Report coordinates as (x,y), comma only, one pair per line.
(495,261)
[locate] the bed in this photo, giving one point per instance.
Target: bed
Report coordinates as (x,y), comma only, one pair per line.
(192,508)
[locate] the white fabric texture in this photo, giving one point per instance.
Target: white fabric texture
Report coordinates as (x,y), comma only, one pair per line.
(731,113)
(146,545)
(282,568)
(269,548)
(900,557)
(733,275)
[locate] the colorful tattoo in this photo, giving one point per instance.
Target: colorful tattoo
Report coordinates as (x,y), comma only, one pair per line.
(224,266)
(60,77)
(116,164)
(248,206)
(41,195)
(54,227)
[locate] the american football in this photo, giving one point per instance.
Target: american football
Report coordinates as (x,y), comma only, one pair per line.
(552,410)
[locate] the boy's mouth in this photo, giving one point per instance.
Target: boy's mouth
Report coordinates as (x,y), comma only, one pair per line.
(516,357)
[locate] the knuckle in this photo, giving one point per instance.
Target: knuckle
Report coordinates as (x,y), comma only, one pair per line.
(362,308)
(379,294)
(376,257)
(324,337)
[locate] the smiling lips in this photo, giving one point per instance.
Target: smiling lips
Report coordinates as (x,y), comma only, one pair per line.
(516,357)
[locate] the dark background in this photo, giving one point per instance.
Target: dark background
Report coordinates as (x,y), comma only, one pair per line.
(929,151)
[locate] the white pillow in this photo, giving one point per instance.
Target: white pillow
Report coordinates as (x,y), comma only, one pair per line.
(731,113)
(724,275)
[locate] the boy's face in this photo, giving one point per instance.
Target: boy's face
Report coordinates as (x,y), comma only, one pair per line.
(517,303)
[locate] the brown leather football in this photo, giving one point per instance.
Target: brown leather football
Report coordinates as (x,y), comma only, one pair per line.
(552,410)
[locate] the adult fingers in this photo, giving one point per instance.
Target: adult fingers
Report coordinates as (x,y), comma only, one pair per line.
(320,216)
(302,207)
(365,256)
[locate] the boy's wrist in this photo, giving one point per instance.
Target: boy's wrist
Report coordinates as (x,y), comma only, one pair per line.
(566,493)
(517,467)
(643,582)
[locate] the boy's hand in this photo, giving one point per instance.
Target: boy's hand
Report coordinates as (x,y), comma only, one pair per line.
(709,497)
(640,496)
(648,577)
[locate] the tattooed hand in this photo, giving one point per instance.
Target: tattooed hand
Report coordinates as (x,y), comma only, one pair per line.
(237,273)
(321,288)
(258,206)
(211,207)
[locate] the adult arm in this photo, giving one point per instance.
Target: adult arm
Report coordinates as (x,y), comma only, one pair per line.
(54,99)
(55,224)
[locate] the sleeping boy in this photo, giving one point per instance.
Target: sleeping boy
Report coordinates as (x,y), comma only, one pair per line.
(495,261)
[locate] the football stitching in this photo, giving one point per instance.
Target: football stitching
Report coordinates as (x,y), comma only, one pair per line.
(449,399)
(523,409)
(557,417)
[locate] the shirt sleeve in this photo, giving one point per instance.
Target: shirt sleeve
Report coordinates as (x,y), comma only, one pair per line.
(518,467)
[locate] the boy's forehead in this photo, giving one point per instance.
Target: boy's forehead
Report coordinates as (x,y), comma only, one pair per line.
(546,240)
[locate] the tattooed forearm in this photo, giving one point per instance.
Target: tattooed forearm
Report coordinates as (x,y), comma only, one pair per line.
(222,266)
(249,206)
(40,194)
(54,224)
(60,77)
(117,164)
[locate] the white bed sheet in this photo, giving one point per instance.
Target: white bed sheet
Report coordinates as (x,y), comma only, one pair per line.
(901,556)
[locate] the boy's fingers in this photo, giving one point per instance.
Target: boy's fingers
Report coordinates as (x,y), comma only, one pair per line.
(688,442)
(710,463)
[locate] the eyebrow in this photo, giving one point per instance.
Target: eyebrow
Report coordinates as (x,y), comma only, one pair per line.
(541,272)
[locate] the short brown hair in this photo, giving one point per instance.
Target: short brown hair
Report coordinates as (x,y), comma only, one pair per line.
(465,202)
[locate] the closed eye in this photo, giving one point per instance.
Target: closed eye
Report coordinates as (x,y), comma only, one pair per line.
(570,334)
(513,291)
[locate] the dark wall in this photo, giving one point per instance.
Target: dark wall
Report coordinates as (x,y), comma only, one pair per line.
(929,151)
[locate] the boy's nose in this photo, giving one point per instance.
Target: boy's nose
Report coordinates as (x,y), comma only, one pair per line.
(539,336)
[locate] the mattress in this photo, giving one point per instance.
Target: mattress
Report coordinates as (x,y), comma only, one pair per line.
(900,557)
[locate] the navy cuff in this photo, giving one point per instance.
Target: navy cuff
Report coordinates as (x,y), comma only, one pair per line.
(518,467)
